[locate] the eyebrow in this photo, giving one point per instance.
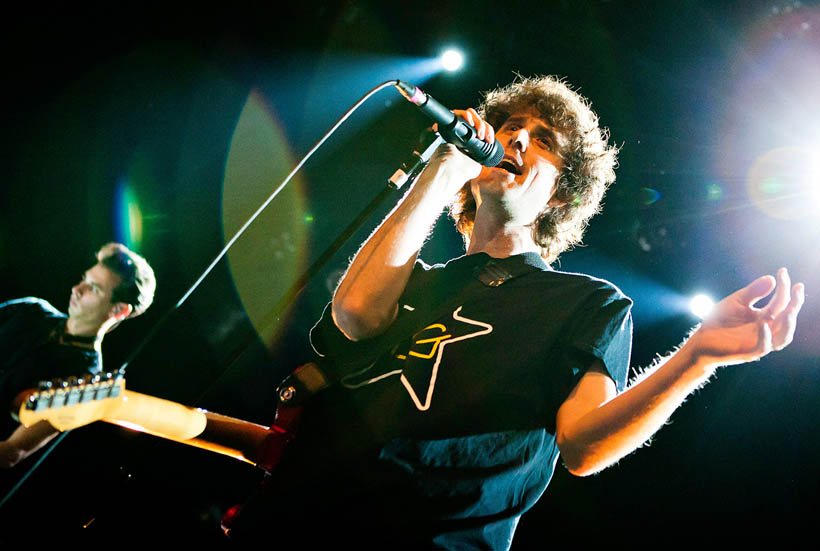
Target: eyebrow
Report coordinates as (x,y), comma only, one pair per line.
(541,130)
(93,284)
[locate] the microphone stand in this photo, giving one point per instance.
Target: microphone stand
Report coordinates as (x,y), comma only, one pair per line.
(405,175)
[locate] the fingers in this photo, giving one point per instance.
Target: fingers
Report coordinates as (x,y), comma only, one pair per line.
(781,295)
(786,323)
(765,340)
(755,290)
(484,130)
(448,160)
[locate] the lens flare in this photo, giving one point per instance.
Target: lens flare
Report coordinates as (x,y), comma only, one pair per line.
(649,196)
(783,182)
(128,216)
(270,255)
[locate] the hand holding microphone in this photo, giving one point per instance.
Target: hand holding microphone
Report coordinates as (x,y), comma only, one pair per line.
(455,129)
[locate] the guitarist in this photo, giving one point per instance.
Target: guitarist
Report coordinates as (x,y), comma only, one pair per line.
(452,432)
(38,342)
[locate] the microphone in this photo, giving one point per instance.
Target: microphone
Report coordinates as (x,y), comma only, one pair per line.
(452,128)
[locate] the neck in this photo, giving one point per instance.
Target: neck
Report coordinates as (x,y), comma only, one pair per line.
(77,328)
(500,237)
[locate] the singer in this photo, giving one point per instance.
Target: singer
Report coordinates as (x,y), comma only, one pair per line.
(442,435)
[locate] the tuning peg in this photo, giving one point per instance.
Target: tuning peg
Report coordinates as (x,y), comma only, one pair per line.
(72,395)
(31,403)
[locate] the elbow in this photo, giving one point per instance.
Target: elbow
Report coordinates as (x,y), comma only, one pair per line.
(582,470)
(358,321)
(579,460)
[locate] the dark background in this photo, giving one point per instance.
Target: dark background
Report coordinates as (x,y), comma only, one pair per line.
(148,99)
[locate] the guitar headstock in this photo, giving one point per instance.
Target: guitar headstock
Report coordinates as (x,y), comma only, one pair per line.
(70,403)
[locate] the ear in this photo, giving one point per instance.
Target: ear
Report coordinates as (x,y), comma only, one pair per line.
(556,201)
(120,311)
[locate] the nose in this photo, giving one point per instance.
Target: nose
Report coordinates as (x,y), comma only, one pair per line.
(520,139)
(79,288)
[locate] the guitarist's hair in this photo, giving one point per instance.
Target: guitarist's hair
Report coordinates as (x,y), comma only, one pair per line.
(138,281)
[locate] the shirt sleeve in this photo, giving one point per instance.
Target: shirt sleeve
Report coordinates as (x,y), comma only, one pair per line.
(604,331)
(328,340)
(335,348)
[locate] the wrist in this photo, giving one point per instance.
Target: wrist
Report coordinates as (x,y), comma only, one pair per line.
(695,352)
(448,171)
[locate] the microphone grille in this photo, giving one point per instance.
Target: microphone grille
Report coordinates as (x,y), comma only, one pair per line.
(494,155)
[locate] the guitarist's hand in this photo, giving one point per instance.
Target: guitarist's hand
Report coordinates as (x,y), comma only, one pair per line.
(24,441)
(9,455)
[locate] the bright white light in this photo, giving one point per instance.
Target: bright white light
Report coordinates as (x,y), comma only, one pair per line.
(452,60)
(701,305)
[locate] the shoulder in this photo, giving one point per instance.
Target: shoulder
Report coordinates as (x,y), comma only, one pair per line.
(425,267)
(585,287)
(598,285)
(30,306)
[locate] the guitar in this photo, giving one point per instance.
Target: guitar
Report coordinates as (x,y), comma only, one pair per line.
(75,402)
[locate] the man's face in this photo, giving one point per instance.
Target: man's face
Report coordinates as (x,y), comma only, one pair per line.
(524,182)
(91,298)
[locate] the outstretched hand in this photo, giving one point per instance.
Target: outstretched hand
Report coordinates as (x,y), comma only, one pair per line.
(738,332)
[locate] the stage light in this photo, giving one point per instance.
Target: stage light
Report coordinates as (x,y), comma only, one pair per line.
(452,60)
(783,182)
(701,305)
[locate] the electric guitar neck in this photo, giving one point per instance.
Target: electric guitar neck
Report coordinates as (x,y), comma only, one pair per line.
(75,403)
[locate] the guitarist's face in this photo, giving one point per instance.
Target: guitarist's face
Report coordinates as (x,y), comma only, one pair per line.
(90,301)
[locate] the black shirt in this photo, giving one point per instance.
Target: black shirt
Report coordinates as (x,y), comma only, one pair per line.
(30,351)
(446,440)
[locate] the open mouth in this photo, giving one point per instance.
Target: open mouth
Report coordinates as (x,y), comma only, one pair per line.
(509,167)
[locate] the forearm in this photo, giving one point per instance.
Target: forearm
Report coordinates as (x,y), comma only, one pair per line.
(607,433)
(24,441)
(596,428)
(366,301)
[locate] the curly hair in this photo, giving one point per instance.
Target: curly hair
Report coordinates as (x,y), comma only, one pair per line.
(588,160)
(138,281)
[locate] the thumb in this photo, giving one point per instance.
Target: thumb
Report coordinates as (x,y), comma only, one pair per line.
(756,290)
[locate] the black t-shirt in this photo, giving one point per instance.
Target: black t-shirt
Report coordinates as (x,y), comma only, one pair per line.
(30,351)
(447,439)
